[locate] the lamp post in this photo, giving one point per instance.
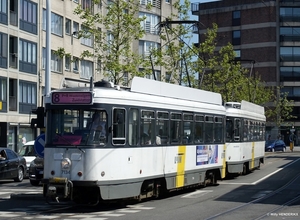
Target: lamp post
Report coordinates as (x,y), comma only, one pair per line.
(48,49)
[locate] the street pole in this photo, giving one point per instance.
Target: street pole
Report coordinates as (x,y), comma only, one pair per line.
(48,49)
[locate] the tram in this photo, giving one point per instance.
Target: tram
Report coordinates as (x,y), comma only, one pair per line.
(107,143)
(245,137)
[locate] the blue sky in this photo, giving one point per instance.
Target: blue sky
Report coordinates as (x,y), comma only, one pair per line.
(195,37)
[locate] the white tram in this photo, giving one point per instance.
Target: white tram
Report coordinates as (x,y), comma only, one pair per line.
(107,143)
(245,136)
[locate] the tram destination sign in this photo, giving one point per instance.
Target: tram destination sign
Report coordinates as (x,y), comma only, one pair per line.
(60,98)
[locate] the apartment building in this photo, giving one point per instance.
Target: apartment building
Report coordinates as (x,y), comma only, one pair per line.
(23,57)
(266,36)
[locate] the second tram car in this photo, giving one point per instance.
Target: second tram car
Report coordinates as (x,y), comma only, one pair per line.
(245,137)
(107,143)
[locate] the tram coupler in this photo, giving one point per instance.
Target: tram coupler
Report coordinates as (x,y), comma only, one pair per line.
(59,188)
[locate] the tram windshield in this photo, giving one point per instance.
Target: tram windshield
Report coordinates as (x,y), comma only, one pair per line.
(76,127)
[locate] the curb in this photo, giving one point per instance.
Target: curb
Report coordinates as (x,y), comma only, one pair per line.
(24,196)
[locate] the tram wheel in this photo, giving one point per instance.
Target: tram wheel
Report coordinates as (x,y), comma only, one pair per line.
(244,169)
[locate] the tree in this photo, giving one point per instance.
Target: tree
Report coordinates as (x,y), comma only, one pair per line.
(281,108)
(114,33)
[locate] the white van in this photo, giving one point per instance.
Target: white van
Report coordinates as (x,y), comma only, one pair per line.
(28,152)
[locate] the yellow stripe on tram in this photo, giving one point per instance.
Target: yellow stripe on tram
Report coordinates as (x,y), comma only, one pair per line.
(180,160)
(252,162)
(224,162)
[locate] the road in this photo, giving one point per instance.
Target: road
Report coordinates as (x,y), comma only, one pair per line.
(269,193)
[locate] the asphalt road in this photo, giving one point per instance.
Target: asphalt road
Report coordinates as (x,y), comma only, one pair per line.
(232,199)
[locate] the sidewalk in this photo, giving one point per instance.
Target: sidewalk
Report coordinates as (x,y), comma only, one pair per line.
(296,149)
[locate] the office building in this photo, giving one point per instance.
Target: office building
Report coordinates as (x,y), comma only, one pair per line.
(23,57)
(266,37)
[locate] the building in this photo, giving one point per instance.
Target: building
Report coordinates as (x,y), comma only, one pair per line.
(23,57)
(265,34)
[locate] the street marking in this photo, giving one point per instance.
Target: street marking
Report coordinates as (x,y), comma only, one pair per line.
(140,207)
(261,179)
(197,194)
(128,210)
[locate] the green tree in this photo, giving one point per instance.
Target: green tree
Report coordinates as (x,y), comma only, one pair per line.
(114,33)
(217,70)
(280,109)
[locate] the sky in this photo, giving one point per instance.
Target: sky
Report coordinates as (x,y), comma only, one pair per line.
(192,17)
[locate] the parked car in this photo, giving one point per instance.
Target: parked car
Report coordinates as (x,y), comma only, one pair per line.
(12,166)
(28,152)
(36,171)
(275,145)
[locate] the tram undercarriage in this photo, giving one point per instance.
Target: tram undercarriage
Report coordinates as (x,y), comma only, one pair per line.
(61,190)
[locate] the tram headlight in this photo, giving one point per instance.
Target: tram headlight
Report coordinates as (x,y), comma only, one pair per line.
(66,163)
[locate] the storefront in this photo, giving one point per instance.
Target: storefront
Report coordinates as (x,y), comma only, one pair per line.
(15,135)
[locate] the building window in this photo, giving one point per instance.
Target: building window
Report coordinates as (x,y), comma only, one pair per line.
(3,11)
(125,79)
(87,37)
(168,1)
(56,23)
(289,54)
(150,23)
(27,96)
(3,50)
(237,54)
(27,56)
(236,37)
(153,3)
(145,47)
(236,18)
(291,34)
(28,16)
(87,5)
(75,64)
(168,76)
(289,73)
(75,29)
(68,26)
(56,61)
(67,63)
(289,14)
(86,68)
(3,94)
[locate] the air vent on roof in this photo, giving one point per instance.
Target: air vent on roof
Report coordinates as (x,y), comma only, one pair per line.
(104,83)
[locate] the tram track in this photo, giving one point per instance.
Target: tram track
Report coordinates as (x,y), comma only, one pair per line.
(271,198)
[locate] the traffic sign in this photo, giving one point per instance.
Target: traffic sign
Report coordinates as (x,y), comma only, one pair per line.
(39,145)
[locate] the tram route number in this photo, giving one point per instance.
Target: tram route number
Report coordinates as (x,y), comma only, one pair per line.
(65,172)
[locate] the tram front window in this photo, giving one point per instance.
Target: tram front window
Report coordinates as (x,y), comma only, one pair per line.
(77,127)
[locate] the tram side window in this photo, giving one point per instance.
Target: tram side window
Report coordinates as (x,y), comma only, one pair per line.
(118,132)
(188,128)
(237,127)
(262,131)
(175,128)
(199,128)
(229,129)
(147,134)
(256,131)
(251,131)
(246,130)
(162,128)
(218,130)
(209,129)
(133,129)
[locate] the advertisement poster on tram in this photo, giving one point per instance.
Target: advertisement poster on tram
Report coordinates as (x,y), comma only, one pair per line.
(206,154)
